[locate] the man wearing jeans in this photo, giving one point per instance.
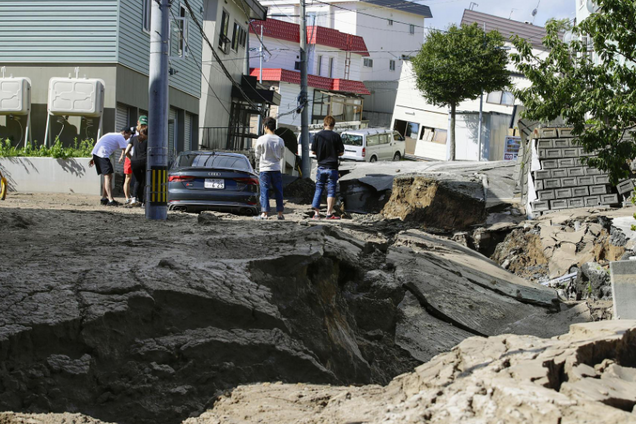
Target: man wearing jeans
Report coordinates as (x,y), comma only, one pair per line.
(269,152)
(327,146)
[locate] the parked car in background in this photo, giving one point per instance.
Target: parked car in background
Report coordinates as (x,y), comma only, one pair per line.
(373,144)
(207,180)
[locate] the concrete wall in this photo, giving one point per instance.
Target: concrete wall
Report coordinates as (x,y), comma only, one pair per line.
(48,175)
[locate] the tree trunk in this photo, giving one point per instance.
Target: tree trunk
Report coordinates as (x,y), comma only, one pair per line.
(452,132)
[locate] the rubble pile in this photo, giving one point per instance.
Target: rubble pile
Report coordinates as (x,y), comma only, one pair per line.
(554,245)
(449,203)
(588,375)
(301,190)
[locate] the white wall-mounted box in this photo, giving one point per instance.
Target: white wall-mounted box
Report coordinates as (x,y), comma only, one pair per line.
(76,96)
(15,96)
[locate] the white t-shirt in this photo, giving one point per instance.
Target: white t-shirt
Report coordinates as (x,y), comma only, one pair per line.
(108,144)
(269,151)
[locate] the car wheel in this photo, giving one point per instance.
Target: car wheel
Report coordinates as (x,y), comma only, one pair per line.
(373,159)
(397,156)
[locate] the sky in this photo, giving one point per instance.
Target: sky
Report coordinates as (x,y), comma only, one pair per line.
(447,12)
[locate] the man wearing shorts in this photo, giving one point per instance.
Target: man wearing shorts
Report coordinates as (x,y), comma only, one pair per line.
(327,146)
(106,146)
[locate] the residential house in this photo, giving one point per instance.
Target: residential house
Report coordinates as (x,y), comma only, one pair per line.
(392,30)
(229,97)
(333,67)
(108,40)
(426,126)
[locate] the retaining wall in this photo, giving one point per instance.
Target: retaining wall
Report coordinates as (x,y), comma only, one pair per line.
(49,175)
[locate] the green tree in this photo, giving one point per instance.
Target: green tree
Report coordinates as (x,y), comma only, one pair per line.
(589,79)
(460,64)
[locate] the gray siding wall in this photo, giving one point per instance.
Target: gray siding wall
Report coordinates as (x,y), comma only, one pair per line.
(134,45)
(61,31)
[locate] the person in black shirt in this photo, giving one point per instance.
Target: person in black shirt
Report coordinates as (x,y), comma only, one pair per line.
(327,146)
(138,159)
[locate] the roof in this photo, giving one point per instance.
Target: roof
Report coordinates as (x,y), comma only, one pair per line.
(403,6)
(288,31)
(331,84)
(507,27)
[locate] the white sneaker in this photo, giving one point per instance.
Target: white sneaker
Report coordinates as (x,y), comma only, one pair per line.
(127,202)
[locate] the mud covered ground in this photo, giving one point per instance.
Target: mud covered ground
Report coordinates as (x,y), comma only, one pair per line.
(134,321)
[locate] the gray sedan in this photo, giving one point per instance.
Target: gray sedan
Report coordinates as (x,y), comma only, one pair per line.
(206,180)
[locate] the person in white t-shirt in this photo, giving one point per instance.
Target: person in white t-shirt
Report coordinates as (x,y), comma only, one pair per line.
(269,152)
(106,146)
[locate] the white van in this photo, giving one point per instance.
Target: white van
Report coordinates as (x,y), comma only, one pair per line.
(372,144)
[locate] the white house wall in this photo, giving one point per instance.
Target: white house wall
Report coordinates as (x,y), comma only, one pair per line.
(288,102)
(387,42)
(216,95)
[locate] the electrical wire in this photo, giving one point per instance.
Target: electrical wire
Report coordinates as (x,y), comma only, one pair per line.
(223,68)
(200,67)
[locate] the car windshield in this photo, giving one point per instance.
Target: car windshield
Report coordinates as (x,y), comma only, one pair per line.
(352,139)
(198,160)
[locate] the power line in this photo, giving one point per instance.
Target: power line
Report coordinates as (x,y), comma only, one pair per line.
(218,59)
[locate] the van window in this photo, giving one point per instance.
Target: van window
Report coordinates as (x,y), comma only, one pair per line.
(351,139)
(397,136)
(373,140)
(384,139)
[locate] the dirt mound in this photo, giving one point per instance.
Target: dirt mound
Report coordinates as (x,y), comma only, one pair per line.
(301,190)
(438,203)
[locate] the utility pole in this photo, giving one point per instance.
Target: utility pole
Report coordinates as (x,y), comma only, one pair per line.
(481,106)
(304,117)
(259,131)
(156,192)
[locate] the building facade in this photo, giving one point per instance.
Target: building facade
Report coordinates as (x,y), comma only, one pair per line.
(227,108)
(393,30)
(426,126)
(333,67)
(108,40)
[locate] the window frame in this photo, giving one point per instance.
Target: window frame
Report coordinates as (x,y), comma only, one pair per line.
(411,29)
(331,67)
(146,16)
(391,65)
(224,41)
(236,34)
(390,22)
(319,65)
(367,62)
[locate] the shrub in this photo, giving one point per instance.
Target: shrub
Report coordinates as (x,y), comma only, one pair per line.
(79,149)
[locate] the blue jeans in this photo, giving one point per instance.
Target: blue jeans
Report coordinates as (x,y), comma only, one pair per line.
(271,180)
(324,176)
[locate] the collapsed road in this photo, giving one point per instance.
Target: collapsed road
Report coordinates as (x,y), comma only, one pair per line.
(130,321)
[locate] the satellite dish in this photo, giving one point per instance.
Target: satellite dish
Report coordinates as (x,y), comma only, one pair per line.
(591,6)
(567,37)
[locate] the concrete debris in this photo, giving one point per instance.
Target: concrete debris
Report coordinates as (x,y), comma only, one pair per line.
(440,201)
(550,248)
(587,375)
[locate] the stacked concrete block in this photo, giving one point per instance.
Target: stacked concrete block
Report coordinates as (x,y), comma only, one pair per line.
(564,181)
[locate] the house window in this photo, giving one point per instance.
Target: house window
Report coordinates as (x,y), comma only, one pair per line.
(392,65)
(224,41)
(412,29)
(368,63)
(183,38)
(331,67)
(236,36)
(146,8)
(297,65)
(319,65)
(501,98)
(390,21)
(243,37)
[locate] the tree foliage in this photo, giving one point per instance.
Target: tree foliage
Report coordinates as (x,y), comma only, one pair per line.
(589,80)
(460,64)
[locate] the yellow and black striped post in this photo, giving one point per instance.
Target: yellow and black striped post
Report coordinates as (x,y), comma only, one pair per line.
(158,195)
